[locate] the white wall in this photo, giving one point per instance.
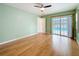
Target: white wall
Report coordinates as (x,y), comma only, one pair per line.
(41,25)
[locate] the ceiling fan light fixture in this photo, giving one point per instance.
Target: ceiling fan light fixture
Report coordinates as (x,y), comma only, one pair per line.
(42,9)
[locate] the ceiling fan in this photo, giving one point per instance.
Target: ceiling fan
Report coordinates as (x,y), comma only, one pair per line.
(42,6)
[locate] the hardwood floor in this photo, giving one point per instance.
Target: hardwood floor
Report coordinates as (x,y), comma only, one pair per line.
(36,45)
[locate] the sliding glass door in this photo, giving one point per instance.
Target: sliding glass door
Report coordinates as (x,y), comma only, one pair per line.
(56,25)
(62,25)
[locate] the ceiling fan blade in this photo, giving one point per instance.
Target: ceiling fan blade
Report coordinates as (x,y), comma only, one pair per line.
(47,6)
(37,6)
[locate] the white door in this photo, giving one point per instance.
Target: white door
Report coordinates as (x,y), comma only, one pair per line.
(41,25)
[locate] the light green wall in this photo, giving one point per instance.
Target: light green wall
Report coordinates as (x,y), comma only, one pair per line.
(77,11)
(78,37)
(48,25)
(15,23)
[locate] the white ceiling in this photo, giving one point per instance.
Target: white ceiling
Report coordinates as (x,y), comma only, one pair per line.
(56,7)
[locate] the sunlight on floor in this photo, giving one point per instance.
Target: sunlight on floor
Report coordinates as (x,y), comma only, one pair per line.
(61,45)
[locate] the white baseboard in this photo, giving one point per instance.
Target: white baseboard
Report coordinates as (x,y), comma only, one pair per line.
(17,38)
